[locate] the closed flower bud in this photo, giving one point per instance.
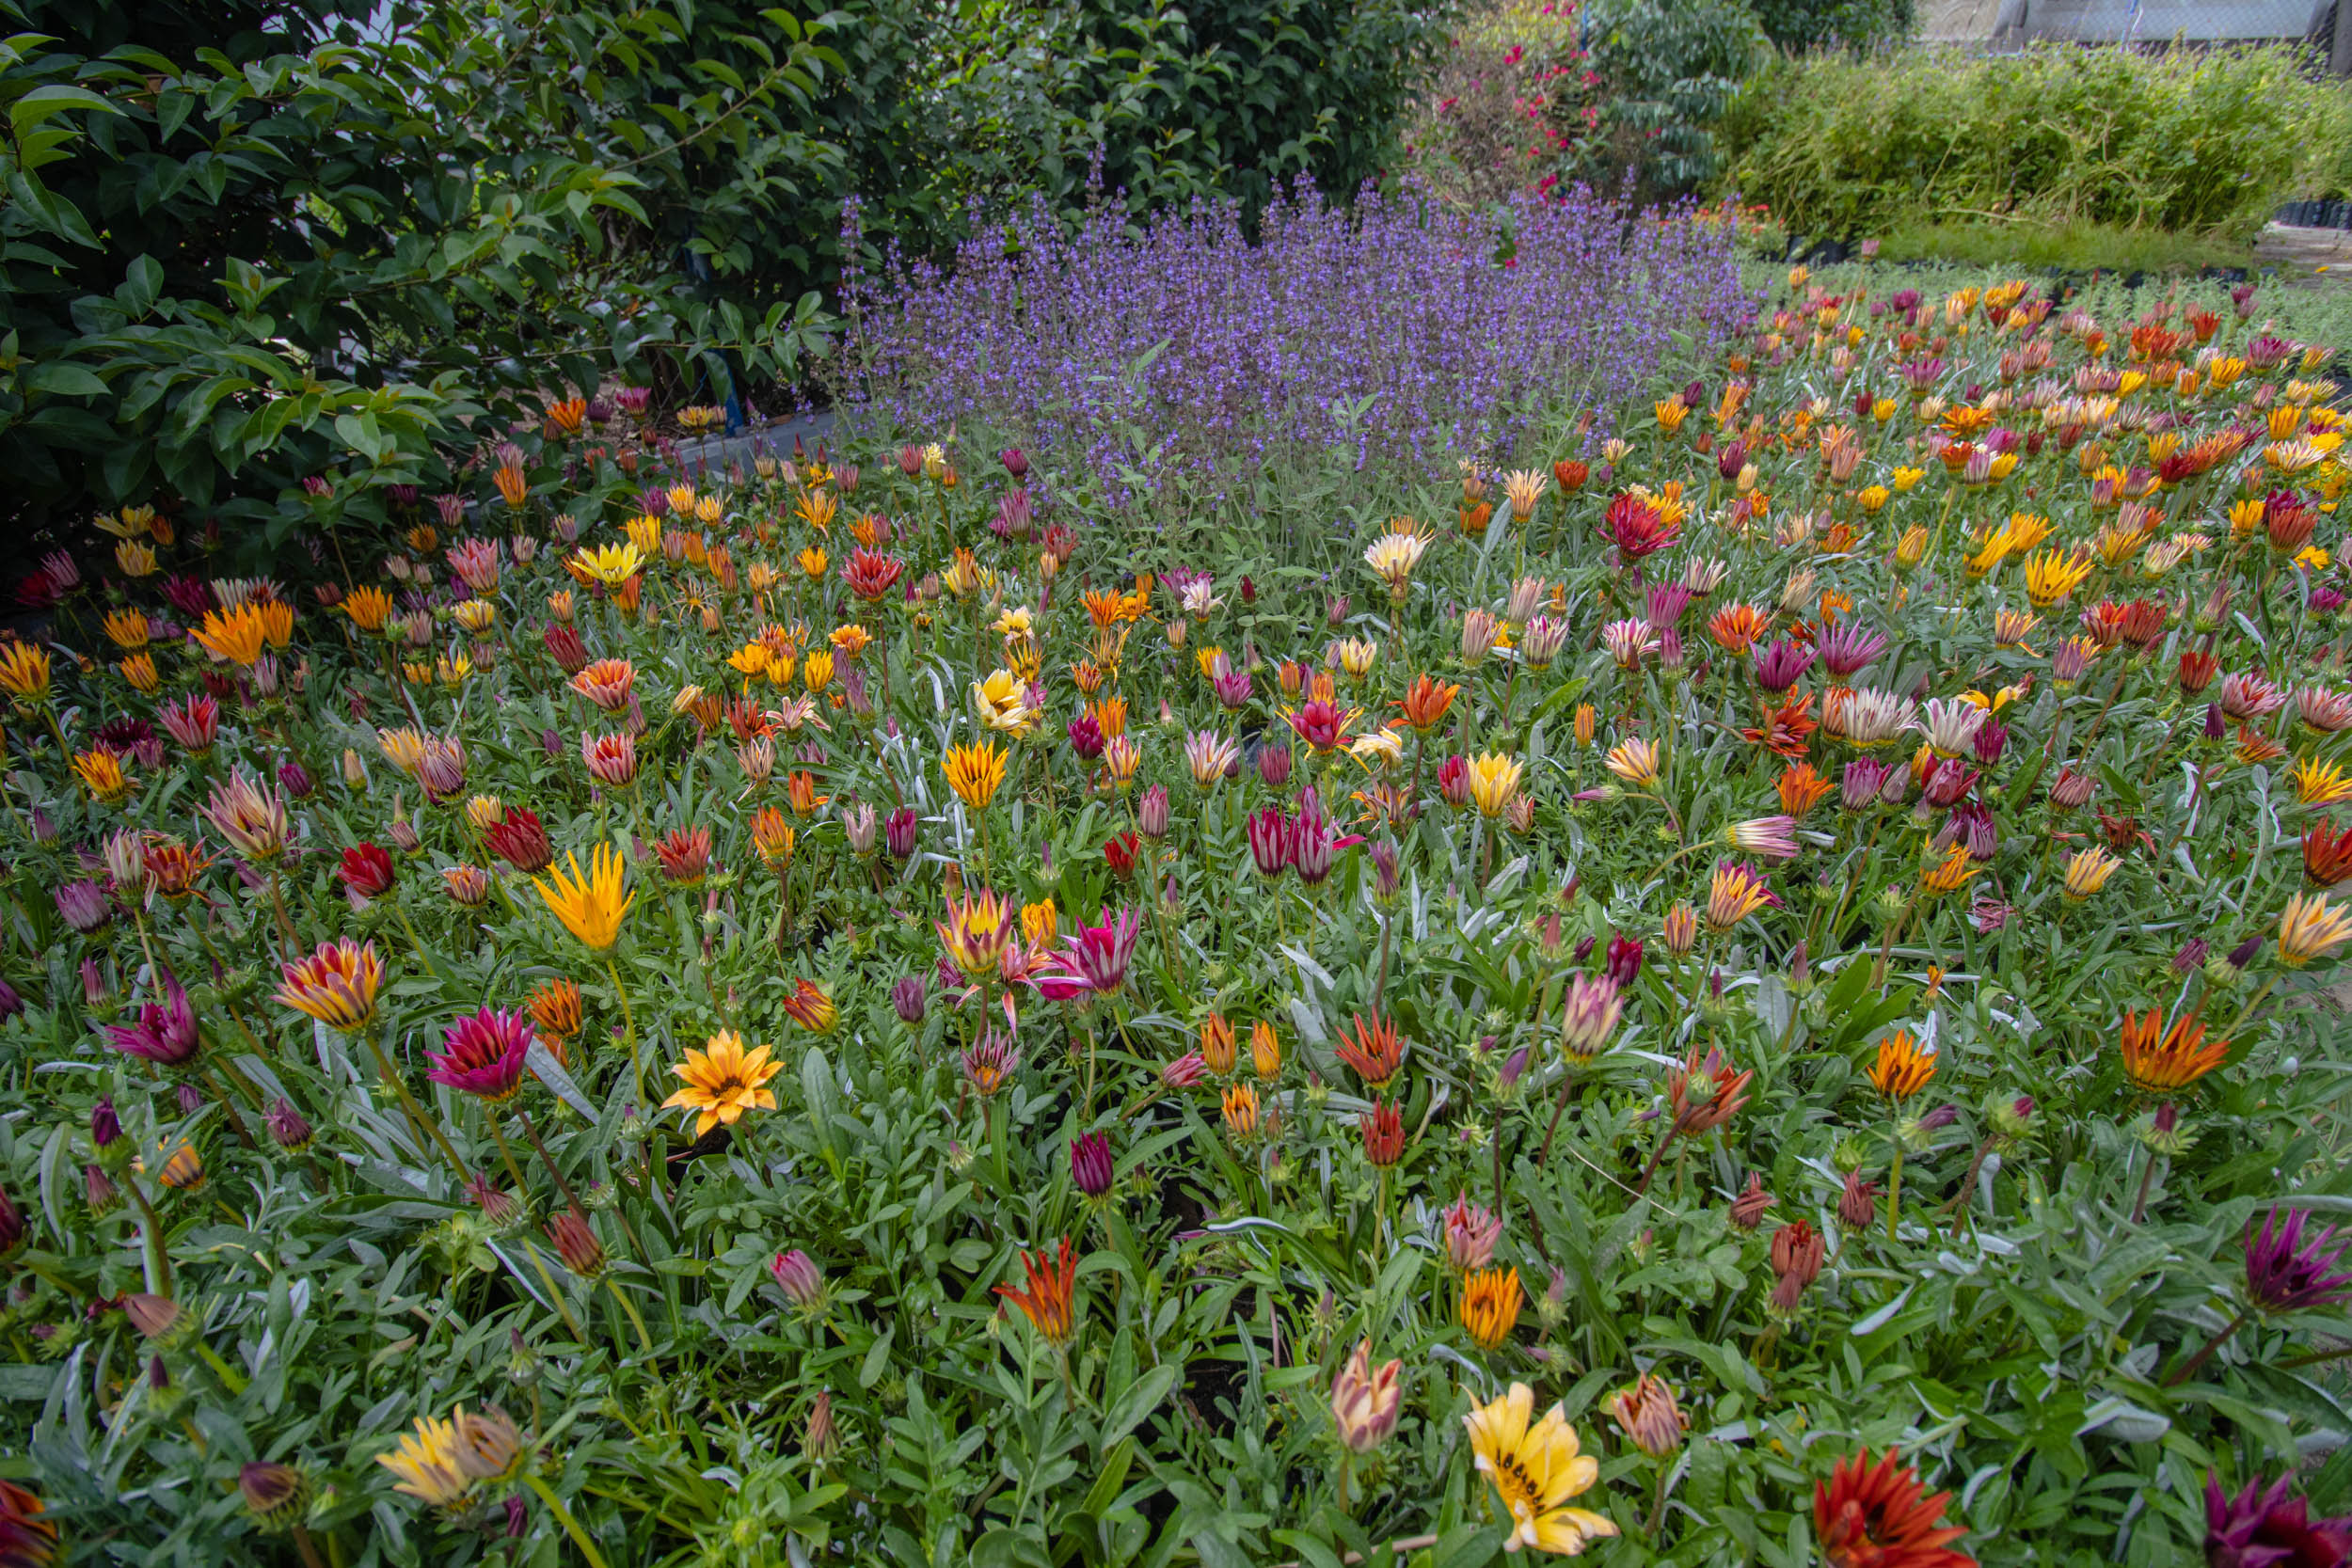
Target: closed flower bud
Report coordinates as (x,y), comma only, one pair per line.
(797,1275)
(1365,1402)
(275,1495)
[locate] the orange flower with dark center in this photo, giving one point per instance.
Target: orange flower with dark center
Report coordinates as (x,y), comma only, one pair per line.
(1047,1301)
(1902,1068)
(1489,1307)
(1870,1515)
(2158,1060)
(555,1007)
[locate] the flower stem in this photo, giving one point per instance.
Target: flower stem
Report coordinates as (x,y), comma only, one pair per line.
(629,1031)
(2189,1369)
(563,1516)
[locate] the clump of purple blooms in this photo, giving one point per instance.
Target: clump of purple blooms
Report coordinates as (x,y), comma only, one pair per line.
(1181,351)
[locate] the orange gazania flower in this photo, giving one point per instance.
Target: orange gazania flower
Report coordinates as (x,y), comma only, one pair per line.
(1375,1049)
(1425,703)
(1902,1068)
(1785,730)
(1802,788)
(1736,626)
(1047,1302)
(1489,1307)
(2165,1061)
(1870,1515)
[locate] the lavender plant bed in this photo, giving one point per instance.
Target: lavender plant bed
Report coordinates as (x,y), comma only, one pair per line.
(1183,354)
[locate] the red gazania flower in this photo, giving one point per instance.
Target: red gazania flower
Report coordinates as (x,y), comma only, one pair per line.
(366,870)
(685,855)
(2327,854)
(1639,526)
(485,1055)
(1569,474)
(1785,730)
(1047,1301)
(1384,1134)
(1374,1050)
(871,575)
(564,646)
(1120,853)
(2198,671)
(521,841)
(1874,1516)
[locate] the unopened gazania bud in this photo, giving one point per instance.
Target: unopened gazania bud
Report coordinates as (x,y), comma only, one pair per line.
(275,1495)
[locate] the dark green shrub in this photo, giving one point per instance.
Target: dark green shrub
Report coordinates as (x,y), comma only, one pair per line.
(1669,69)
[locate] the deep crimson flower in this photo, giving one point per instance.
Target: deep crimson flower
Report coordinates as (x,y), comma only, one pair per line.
(1639,526)
(1384,1134)
(1321,725)
(521,841)
(1121,852)
(564,644)
(1091,1169)
(1453,780)
(1086,736)
(1269,833)
(485,1055)
(366,869)
(1624,962)
(871,575)
(2269,1528)
(1874,1516)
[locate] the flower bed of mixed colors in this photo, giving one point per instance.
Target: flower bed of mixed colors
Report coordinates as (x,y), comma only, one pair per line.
(1752,990)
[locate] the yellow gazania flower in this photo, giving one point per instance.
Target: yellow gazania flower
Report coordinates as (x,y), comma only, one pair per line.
(1382,748)
(101,773)
(812,562)
(1494,781)
(974,772)
(723,1081)
(644,532)
(1635,762)
(1996,701)
(849,640)
(1948,875)
(236,635)
(1040,922)
(2086,872)
(817,670)
(2051,576)
(590,906)
(139,669)
(126,629)
(426,1463)
(1489,1306)
(610,564)
(369,608)
(277,623)
(1906,478)
(25,671)
(750,660)
(135,559)
(2319,784)
(1002,703)
(1535,1468)
(2311,928)
(1393,557)
(1902,1070)
(404,748)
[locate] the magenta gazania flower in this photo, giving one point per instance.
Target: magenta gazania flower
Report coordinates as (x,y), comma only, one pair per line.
(1086,736)
(165,1035)
(1313,846)
(1858,785)
(521,841)
(1100,954)
(1269,834)
(249,816)
(84,905)
(1622,962)
(1185,1071)
(1846,651)
(485,1055)
(2287,1271)
(899,832)
(2269,1528)
(1091,1169)
(1782,665)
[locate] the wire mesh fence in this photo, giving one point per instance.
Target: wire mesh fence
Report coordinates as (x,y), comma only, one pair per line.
(2012,23)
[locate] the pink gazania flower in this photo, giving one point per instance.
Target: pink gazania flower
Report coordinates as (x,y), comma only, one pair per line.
(1313,846)
(249,816)
(441,767)
(611,759)
(1773,837)
(193,721)
(1100,953)
(476,563)
(485,1054)
(1628,642)
(1321,725)
(165,1035)
(1269,836)
(366,870)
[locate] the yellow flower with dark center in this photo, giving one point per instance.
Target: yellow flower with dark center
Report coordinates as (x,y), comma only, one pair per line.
(1535,1468)
(2319,784)
(426,1463)
(590,906)
(1635,762)
(1489,1306)
(1948,875)
(1902,1070)
(236,636)
(974,772)
(1494,783)
(723,1081)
